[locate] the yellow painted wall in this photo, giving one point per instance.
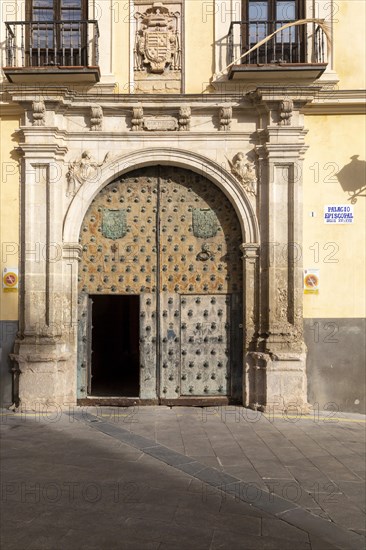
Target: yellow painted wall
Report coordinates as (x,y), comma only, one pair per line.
(9,208)
(333,140)
(121,44)
(349,42)
(199,39)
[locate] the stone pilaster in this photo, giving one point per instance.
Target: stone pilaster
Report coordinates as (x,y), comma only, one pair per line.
(251,293)
(250,318)
(41,351)
(278,366)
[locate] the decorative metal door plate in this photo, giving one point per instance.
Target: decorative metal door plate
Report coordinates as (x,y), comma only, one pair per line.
(114,225)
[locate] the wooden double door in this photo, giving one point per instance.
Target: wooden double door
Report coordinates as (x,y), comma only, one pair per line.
(160,290)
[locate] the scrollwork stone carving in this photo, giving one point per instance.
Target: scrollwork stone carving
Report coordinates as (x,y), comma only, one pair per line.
(184,119)
(137,120)
(96,118)
(282,303)
(39,113)
(226,114)
(285,112)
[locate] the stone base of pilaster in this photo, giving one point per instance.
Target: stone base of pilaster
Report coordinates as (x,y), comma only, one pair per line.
(276,382)
(44,376)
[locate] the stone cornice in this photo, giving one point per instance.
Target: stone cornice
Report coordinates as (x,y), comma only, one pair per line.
(42,150)
(10,109)
(144,136)
(337,102)
(66,96)
(299,94)
(11,92)
(312,100)
(277,151)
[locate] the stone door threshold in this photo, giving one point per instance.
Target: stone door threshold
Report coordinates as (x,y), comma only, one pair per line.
(179,402)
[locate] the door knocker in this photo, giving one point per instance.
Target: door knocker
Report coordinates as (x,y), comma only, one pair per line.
(205,254)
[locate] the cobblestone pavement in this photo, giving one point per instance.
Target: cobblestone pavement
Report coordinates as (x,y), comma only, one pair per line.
(182,478)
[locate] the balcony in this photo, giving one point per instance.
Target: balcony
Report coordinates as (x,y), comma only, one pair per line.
(296,52)
(52,51)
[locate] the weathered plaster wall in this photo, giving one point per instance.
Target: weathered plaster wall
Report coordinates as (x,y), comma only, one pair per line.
(9,221)
(9,241)
(349,42)
(8,331)
(336,363)
(120,38)
(337,250)
(199,38)
(334,319)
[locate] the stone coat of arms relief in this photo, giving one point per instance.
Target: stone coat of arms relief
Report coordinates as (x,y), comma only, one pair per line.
(157,49)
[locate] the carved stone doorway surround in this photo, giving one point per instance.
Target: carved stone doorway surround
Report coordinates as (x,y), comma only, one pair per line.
(273,353)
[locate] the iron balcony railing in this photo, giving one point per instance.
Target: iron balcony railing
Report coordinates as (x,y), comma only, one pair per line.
(297,44)
(52,43)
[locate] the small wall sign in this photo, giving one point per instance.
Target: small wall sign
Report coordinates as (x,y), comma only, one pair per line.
(10,279)
(338,213)
(311,281)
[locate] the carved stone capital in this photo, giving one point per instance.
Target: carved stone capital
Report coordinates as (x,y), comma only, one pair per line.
(278,356)
(28,361)
(250,251)
(72,251)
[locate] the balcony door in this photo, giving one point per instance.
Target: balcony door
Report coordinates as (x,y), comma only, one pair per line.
(57,33)
(261,18)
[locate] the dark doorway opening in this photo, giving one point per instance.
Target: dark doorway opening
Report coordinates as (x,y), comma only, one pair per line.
(115,346)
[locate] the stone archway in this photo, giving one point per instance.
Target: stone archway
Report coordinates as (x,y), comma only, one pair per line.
(198,164)
(47,356)
(170,239)
(180,158)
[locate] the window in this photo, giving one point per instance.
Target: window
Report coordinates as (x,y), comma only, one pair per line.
(57,32)
(56,41)
(261,18)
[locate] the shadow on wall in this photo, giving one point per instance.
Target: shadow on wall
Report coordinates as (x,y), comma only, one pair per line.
(352,178)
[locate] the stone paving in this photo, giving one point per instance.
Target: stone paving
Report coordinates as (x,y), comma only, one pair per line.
(162,479)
